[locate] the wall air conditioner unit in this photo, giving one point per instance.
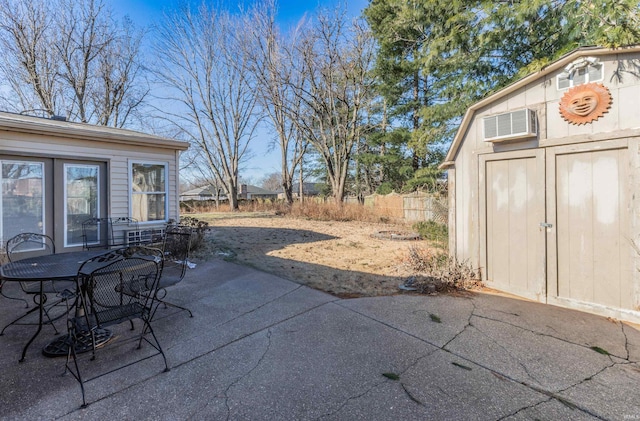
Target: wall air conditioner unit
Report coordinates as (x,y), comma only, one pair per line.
(145,236)
(514,125)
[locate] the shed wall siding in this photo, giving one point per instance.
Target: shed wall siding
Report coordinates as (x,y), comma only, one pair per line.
(542,95)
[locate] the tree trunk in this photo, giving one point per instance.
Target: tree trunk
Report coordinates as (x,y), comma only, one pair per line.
(232,190)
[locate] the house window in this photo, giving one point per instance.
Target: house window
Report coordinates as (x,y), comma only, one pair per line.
(22,205)
(148,191)
(582,71)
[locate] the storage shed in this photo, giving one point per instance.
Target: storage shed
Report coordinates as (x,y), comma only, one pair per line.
(56,174)
(544,184)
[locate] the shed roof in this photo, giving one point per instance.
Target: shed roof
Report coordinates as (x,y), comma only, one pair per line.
(29,124)
(552,67)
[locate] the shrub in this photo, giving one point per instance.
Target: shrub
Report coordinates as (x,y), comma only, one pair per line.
(432,231)
(199,228)
(437,271)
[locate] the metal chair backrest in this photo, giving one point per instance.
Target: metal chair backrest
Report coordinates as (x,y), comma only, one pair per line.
(29,244)
(97,233)
(176,249)
(115,287)
(119,228)
(119,288)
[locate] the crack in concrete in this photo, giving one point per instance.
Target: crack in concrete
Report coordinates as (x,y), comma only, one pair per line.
(465,327)
(626,341)
(524,408)
(549,394)
(225,394)
(509,353)
(413,398)
(565,401)
(349,399)
(376,385)
(548,335)
(253,310)
(248,334)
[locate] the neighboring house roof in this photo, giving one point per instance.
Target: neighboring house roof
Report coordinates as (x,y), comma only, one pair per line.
(198,191)
(202,193)
(208,191)
(259,191)
(556,65)
(38,125)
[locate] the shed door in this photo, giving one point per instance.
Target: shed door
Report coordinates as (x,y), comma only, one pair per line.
(592,262)
(514,207)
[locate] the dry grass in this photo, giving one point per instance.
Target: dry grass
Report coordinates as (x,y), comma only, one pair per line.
(437,271)
(426,269)
(310,209)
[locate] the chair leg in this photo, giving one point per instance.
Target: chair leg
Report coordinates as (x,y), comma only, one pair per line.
(77,375)
(45,313)
(18,319)
(26,303)
(148,328)
(167,303)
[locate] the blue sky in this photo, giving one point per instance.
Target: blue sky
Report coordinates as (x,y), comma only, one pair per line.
(145,13)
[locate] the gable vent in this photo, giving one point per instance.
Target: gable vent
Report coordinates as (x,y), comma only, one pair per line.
(514,125)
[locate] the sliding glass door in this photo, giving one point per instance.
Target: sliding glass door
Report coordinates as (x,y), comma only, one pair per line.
(51,196)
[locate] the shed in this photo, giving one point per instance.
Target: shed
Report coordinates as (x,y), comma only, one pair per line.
(544,184)
(56,174)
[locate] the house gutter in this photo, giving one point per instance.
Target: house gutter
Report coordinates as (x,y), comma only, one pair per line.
(83,131)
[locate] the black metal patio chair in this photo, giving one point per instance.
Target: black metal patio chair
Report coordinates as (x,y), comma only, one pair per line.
(34,244)
(3,255)
(101,232)
(176,249)
(97,233)
(116,287)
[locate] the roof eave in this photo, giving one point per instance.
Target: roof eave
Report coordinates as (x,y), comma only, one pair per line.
(87,132)
(552,67)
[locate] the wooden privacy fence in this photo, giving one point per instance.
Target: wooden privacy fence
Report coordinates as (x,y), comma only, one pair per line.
(410,207)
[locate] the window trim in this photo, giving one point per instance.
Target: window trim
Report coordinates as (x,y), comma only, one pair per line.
(574,67)
(165,164)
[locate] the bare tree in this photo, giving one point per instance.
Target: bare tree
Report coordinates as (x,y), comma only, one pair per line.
(71,58)
(336,91)
(82,35)
(272,181)
(272,56)
(210,91)
(120,87)
(29,65)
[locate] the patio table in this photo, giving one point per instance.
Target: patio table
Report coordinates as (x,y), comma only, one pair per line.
(52,267)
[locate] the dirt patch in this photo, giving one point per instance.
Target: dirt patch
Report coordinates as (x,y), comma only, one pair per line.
(341,258)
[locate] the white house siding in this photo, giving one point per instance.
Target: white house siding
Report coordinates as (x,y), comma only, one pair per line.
(118,159)
(618,129)
(116,150)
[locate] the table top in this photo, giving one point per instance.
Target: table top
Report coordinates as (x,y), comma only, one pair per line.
(61,266)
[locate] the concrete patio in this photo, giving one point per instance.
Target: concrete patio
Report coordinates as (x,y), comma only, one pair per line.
(264,348)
